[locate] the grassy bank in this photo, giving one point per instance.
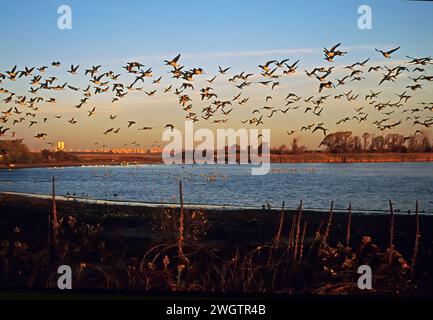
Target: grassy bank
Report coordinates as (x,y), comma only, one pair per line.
(105,159)
(239,251)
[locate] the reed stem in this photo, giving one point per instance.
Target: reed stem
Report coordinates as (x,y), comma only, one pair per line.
(292,232)
(301,250)
(349,221)
(391,233)
(280,227)
(417,236)
(298,230)
(328,228)
(181,220)
(316,236)
(54,210)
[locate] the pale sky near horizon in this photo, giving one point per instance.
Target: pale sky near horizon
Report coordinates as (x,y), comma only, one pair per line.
(238,34)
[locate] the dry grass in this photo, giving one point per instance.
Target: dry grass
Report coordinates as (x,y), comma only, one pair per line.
(178,260)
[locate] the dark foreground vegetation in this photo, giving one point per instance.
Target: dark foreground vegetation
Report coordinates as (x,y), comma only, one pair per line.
(246,251)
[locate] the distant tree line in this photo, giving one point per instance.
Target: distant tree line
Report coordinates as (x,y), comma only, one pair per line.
(344,141)
(295,148)
(15,151)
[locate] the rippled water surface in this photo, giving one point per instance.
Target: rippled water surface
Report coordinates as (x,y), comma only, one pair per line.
(368,186)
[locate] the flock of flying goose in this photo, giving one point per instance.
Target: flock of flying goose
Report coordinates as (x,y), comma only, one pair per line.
(24,109)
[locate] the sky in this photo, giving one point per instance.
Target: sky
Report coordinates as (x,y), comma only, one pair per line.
(239,34)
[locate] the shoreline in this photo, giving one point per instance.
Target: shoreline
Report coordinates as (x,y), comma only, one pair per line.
(228,228)
(91,160)
(190,206)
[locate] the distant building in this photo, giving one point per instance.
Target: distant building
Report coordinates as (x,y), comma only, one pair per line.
(60,146)
(155,150)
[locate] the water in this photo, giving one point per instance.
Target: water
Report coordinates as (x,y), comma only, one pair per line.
(368,186)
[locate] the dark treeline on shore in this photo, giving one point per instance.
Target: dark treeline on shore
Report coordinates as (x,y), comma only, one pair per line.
(346,142)
(15,151)
(341,142)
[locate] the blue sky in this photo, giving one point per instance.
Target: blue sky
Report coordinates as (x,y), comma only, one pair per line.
(241,34)
(122,29)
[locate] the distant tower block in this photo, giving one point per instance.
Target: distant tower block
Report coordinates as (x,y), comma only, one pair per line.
(60,146)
